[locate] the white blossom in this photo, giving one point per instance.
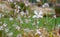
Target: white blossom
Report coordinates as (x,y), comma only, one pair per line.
(18,28)
(6,30)
(22,13)
(45,5)
(18,11)
(26,4)
(19,7)
(15,3)
(10,18)
(54,16)
(2,15)
(38,0)
(4,25)
(35,12)
(38,32)
(1,27)
(58,25)
(38,14)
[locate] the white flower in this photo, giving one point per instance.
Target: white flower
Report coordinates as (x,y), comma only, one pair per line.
(38,0)
(54,16)
(15,3)
(4,25)
(18,28)
(34,16)
(38,32)
(38,15)
(19,35)
(10,18)
(26,4)
(35,12)
(58,25)
(6,30)
(18,11)
(2,15)
(10,34)
(45,5)
(1,27)
(22,13)
(19,7)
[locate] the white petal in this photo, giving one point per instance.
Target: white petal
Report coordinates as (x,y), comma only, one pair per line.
(35,12)
(34,16)
(40,13)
